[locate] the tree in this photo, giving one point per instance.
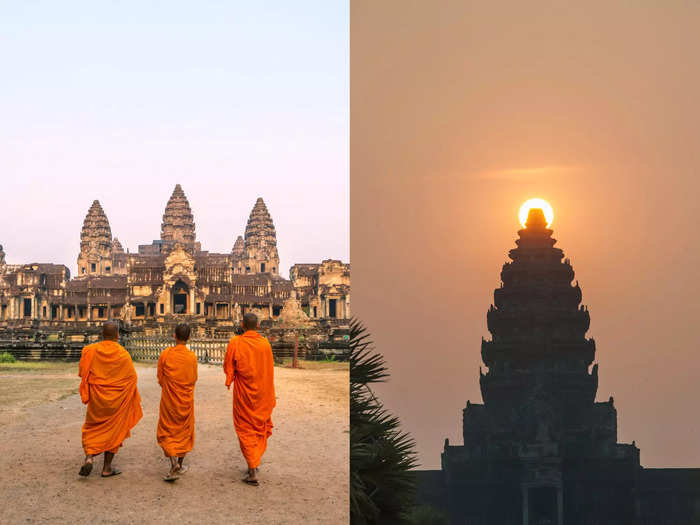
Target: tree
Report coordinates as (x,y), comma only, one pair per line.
(382,488)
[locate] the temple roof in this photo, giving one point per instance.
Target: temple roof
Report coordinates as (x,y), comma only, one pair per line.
(260,231)
(178,221)
(238,248)
(117,246)
(96,230)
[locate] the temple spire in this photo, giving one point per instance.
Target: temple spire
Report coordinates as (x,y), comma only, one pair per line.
(536,219)
(257,251)
(117,246)
(95,256)
(178,221)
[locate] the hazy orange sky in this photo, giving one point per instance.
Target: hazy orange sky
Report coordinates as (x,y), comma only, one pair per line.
(461,111)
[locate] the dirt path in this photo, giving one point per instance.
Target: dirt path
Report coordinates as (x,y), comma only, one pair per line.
(304,473)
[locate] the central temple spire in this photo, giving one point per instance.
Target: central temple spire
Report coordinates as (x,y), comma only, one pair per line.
(178,221)
(539,426)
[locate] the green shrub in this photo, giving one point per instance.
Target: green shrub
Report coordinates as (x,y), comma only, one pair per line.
(7,357)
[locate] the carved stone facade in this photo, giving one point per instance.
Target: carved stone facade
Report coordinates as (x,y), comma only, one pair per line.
(171,279)
(323,289)
(540,449)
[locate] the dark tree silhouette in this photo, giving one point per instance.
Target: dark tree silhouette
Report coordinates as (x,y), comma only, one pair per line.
(382,488)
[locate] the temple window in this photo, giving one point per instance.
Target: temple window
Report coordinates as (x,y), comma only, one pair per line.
(151,309)
(332,308)
(93,267)
(101,312)
(139,310)
(82,269)
(43,312)
(247,269)
(262,267)
(108,269)
(162,308)
(199,308)
(315,312)
(276,310)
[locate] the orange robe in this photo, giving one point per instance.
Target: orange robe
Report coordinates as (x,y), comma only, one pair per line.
(249,365)
(177,374)
(108,387)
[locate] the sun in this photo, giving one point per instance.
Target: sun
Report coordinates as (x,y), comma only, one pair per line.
(536,203)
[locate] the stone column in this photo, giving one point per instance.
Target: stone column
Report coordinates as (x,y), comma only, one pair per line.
(526,517)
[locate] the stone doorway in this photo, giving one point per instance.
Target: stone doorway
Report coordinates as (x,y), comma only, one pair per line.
(332,308)
(180,298)
(542,505)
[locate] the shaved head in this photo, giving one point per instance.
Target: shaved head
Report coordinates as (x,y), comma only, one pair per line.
(250,321)
(110,332)
(182,332)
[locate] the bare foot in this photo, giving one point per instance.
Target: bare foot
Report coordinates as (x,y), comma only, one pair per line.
(174,472)
(182,469)
(251,478)
(172,475)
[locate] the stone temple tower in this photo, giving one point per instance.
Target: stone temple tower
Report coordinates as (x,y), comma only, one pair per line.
(95,256)
(178,222)
(259,245)
(539,449)
(238,251)
(3,266)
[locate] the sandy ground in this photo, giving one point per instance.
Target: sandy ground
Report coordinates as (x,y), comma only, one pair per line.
(304,473)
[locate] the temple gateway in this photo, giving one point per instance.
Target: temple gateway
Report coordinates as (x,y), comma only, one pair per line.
(540,449)
(171,280)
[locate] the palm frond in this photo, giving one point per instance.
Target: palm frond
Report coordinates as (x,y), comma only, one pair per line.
(382,489)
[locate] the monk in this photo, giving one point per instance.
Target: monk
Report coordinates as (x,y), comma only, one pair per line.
(177,375)
(108,387)
(249,365)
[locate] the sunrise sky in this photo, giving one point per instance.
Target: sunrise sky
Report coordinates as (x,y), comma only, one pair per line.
(119,101)
(460,112)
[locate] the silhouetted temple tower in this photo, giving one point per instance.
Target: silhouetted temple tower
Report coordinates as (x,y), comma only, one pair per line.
(539,449)
(539,354)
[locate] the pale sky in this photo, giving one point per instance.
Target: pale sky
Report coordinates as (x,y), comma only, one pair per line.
(119,101)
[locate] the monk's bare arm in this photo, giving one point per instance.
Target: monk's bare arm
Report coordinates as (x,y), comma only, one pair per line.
(228,363)
(161,359)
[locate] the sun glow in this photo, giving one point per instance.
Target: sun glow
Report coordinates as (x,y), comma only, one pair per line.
(536,203)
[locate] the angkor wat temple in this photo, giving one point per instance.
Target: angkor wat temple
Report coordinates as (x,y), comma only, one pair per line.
(170,280)
(540,449)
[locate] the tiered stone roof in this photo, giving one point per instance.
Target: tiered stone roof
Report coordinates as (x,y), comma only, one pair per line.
(238,250)
(260,231)
(178,221)
(117,246)
(96,235)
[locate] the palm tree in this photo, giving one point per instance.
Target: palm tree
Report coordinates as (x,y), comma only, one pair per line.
(382,488)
